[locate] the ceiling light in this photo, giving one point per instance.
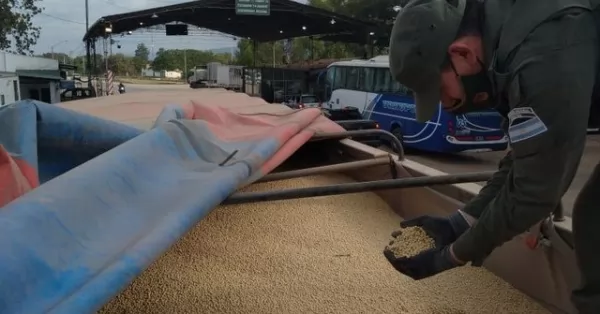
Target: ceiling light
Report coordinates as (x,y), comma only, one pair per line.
(141,23)
(397,8)
(154,16)
(280,32)
(332,21)
(303,28)
(371,33)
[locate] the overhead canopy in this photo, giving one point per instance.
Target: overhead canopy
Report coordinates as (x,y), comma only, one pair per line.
(380,38)
(286,20)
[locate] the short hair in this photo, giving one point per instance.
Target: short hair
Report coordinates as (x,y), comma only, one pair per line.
(473,19)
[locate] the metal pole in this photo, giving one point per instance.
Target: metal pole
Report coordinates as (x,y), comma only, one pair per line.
(253,66)
(185,65)
(346,166)
(87,15)
(88,56)
(312,49)
(358,187)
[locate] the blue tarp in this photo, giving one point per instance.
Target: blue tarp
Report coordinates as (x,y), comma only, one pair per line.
(75,241)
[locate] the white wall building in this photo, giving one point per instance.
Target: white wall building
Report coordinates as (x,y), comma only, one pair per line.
(149,72)
(172,74)
(24,77)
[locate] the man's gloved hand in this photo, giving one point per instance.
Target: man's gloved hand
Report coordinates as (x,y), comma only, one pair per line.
(425,264)
(443,231)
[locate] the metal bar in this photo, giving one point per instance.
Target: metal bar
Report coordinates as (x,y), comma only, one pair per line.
(357,187)
(324,169)
(397,145)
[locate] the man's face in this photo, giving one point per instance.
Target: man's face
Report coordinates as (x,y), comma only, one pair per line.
(463,55)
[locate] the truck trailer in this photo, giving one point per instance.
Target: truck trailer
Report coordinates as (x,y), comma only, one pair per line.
(227,204)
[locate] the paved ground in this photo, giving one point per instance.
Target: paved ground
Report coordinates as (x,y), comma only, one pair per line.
(136,88)
(140,109)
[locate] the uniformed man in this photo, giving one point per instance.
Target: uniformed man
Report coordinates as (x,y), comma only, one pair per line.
(535,62)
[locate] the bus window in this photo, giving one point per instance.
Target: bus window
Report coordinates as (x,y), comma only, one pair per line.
(340,78)
(366,80)
(330,75)
(329,78)
(382,80)
(352,78)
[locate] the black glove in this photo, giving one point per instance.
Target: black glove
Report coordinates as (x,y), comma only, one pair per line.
(424,264)
(443,231)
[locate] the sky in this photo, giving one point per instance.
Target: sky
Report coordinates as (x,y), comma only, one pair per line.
(63,27)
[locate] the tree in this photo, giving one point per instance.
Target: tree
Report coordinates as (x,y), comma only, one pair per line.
(178,59)
(17,32)
(142,52)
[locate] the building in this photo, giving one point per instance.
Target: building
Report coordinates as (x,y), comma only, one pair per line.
(174,75)
(25,77)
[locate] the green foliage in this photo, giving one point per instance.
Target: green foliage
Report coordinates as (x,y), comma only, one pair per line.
(267,54)
(142,52)
(180,59)
(17,32)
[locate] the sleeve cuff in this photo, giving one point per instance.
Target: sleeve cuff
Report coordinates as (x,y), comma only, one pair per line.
(468,218)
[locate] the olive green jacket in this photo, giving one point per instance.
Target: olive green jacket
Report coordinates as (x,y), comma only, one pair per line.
(543,74)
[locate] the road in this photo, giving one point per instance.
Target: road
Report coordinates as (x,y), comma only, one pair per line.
(144,107)
(136,88)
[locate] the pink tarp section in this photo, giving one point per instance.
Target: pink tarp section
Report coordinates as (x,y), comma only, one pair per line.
(291,128)
(16,177)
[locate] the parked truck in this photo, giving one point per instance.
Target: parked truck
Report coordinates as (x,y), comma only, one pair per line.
(199,77)
(224,76)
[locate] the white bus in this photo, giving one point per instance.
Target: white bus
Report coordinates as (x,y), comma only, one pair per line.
(369,86)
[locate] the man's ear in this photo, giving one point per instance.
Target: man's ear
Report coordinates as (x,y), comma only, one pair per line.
(462,51)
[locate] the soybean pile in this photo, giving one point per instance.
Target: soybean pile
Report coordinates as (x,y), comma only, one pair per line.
(313,255)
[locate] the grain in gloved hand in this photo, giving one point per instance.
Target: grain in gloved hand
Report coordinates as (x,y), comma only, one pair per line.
(410,241)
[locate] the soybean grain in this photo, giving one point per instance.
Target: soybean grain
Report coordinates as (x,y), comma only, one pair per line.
(314,255)
(410,242)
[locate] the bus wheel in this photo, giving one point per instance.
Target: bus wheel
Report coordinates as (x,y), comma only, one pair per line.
(397,132)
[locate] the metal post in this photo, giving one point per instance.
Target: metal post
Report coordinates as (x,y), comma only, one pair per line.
(312,48)
(254,53)
(88,62)
(253,66)
(105,42)
(185,65)
(95,65)
(87,15)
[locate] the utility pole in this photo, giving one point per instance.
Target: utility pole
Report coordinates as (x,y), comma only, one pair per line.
(87,15)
